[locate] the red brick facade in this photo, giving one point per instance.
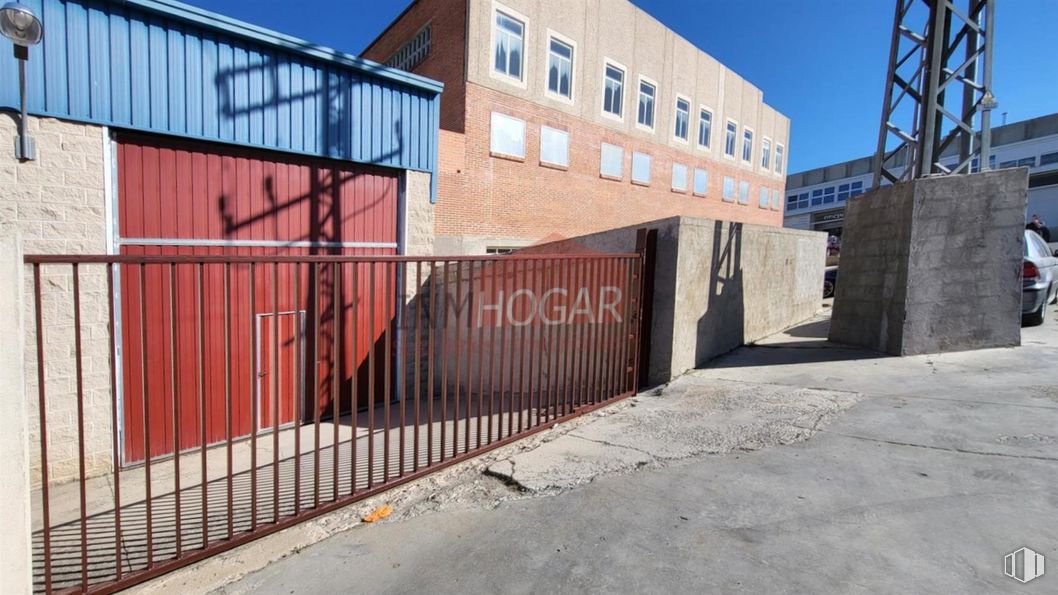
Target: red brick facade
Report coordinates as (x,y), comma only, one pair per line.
(504,199)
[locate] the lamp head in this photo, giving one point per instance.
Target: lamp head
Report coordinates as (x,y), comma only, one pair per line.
(20,25)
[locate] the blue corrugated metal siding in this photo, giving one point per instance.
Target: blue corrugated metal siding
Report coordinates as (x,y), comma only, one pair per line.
(165,67)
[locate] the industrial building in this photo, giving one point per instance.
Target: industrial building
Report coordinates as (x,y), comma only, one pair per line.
(815,199)
(566,118)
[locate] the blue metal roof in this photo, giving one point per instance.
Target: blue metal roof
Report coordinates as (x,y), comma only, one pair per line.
(166,67)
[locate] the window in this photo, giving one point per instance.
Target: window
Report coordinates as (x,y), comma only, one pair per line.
(613,90)
(817,197)
(679,177)
(611,163)
(729,189)
(775,206)
(843,192)
(641,168)
(410,54)
(778,159)
(705,128)
(560,68)
(802,200)
(683,118)
(507,46)
(847,191)
(856,189)
(554,146)
(1027,162)
(729,140)
(765,154)
(1007,164)
(747,144)
(1048,158)
(701,181)
(791,202)
(499,250)
(828,194)
(763,202)
(743,193)
(508,136)
(645,117)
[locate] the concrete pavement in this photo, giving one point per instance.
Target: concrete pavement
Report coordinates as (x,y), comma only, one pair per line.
(946,463)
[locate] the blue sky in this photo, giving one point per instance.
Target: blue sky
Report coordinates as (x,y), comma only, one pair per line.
(820,62)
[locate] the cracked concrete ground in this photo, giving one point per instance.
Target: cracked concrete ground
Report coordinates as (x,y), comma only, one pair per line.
(945,464)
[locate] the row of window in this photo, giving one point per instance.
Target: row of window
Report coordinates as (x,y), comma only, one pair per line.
(822,196)
(507,139)
(508,40)
(413,52)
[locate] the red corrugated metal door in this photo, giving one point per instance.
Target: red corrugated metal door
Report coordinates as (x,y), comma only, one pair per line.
(186,198)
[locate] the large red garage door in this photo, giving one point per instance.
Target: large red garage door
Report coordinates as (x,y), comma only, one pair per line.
(187,198)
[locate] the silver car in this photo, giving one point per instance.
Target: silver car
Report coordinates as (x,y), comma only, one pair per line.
(1039,283)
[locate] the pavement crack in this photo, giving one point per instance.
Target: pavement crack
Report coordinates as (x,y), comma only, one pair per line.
(944,448)
(612,445)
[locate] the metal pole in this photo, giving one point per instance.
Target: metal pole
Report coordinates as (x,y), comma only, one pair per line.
(23,150)
(986,114)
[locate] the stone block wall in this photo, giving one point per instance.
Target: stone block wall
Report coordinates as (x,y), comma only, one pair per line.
(56,202)
(933,265)
(719,284)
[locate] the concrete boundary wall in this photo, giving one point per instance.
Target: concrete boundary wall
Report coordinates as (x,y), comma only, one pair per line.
(718,285)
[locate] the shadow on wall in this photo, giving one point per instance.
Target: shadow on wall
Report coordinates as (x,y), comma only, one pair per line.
(722,326)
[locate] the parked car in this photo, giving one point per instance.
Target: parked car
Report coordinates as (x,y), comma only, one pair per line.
(1039,284)
(830,281)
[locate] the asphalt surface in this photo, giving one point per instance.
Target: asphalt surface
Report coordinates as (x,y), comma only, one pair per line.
(945,464)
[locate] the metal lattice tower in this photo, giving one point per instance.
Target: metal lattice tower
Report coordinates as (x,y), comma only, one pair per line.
(940,78)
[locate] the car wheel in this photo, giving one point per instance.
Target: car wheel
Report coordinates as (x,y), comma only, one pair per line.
(828,288)
(1036,318)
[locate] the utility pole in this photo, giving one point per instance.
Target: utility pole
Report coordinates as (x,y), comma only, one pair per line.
(933,92)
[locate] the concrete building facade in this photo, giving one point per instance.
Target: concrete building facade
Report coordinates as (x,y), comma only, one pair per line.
(815,199)
(567,118)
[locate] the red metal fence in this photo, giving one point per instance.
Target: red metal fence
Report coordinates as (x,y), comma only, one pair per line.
(271,389)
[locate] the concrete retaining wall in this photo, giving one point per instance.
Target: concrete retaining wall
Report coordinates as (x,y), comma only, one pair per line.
(719,285)
(933,265)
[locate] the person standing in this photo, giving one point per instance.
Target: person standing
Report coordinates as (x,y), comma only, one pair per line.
(1037,225)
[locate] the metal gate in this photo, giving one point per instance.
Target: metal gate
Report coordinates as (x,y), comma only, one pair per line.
(487,350)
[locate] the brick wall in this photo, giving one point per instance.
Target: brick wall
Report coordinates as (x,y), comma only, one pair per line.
(493,197)
(445,62)
(56,202)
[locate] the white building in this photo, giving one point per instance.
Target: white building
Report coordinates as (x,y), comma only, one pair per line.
(815,199)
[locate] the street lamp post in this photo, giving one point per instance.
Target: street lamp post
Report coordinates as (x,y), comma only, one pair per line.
(23,28)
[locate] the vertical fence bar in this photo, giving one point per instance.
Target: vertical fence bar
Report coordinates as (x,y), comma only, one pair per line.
(469,350)
(371,376)
(316,384)
(146,414)
(275,392)
(481,348)
(228,379)
(402,369)
(593,336)
(402,359)
(354,376)
(387,394)
(549,347)
(42,413)
(531,351)
(602,334)
(299,379)
(444,358)
(337,309)
(494,265)
(79,376)
(429,364)
(173,387)
(522,355)
(458,348)
(628,332)
(418,363)
(113,421)
(254,394)
(200,356)
(508,354)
